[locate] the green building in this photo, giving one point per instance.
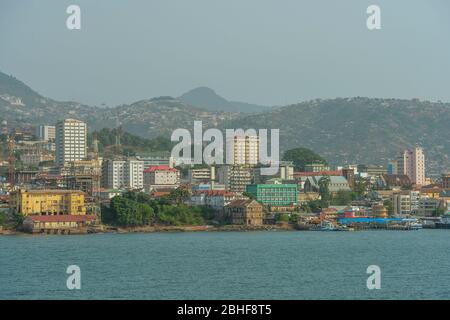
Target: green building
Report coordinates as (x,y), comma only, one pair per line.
(274,194)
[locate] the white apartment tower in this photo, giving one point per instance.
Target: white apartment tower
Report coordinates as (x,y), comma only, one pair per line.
(412,164)
(123,174)
(245,150)
(71,144)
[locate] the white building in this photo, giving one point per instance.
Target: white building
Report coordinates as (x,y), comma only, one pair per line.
(46,133)
(71,136)
(161,177)
(245,150)
(120,174)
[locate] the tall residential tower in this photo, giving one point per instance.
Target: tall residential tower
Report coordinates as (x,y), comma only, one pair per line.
(71,144)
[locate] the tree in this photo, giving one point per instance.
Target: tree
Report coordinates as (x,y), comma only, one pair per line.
(438,212)
(342,198)
(179,195)
(389,207)
(302,156)
(324,191)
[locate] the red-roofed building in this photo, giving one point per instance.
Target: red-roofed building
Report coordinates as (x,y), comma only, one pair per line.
(156,177)
(58,223)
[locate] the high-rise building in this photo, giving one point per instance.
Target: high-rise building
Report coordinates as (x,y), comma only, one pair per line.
(46,133)
(392,167)
(245,150)
(71,136)
(124,173)
(235,178)
(412,164)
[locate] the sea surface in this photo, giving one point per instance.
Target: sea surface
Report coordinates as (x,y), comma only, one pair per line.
(228,265)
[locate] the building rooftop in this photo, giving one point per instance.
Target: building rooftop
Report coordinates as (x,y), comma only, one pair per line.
(160,168)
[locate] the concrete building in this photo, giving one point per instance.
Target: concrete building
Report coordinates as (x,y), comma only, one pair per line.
(123,174)
(316,167)
(202,174)
(244,212)
(412,164)
(49,202)
(406,202)
(446,181)
(46,133)
(156,161)
(428,206)
(235,178)
(71,144)
(156,177)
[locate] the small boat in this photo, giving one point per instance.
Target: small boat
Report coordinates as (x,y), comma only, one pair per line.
(415,226)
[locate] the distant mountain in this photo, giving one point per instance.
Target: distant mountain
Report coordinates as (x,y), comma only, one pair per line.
(208,99)
(360,130)
(21,105)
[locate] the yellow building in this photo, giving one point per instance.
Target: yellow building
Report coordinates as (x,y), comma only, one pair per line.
(49,202)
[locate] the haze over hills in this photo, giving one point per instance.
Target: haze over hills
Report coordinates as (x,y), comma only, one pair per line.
(345,130)
(206,98)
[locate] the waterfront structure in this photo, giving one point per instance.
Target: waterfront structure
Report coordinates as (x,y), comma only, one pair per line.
(123,174)
(161,177)
(244,212)
(49,202)
(274,194)
(235,178)
(46,133)
(336,184)
(71,139)
(58,223)
(412,164)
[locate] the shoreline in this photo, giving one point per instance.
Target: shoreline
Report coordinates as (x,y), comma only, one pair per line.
(159,229)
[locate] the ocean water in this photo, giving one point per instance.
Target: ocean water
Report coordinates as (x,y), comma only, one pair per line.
(228,265)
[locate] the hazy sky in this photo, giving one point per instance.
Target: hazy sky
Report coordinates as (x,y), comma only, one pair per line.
(259,51)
